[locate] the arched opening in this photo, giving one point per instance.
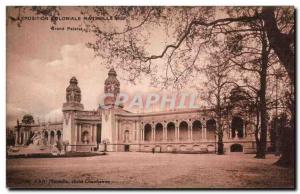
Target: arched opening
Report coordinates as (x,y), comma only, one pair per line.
(237,125)
(196,148)
(183,131)
(147,132)
(182,148)
(85,137)
(157,148)
(45,138)
(158,132)
(169,148)
(236,148)
(126,148)
(22,138)
(211,128)
(126,136)
(52,134)
(98,133)
(171,131)
(211,148)
(58,135)
(197,130)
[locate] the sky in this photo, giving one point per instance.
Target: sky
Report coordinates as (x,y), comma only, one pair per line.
(40,63)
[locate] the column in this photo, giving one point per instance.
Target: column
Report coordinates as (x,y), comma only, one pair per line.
(20,138)
(140,135)
(117,131)
(91,139)
(27,136)
(189,132)
(164,133)
(76,133)
(166,128)
(95,132)
(16,138)
(244,130)
(24,136)
(49,136)
(176,133)
(26,139)
(143,137)
(135,131)
(79,136)
(152,134)
(191,136)
(55,136)
(205,132)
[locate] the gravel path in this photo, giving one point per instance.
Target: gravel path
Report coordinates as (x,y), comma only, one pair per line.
(147,170)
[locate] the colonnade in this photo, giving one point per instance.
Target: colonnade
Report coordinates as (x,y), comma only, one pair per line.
(22,137)
(174,131)
(48,136)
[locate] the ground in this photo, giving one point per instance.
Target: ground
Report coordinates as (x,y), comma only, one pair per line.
(147,170)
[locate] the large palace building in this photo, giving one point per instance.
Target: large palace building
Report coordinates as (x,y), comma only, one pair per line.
(115,129)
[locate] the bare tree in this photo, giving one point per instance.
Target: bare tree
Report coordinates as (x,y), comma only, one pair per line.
(219,81)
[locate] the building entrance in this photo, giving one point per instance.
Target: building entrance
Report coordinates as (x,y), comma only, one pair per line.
(126,148)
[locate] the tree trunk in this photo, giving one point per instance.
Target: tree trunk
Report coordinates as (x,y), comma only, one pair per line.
(279,42)
(219,120)
(220,142)
(257,140)
(287,158)
(220,137)
(262,145)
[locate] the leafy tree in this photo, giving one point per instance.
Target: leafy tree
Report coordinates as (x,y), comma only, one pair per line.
(10,139)
(27,119)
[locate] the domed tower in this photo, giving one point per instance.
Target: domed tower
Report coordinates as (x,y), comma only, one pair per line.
(73,96)
(70,107)
(108,118)
(111,88)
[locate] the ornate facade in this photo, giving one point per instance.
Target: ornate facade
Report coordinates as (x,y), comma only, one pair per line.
(115,129)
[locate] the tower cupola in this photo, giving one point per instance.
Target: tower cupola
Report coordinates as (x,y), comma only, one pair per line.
(111,88)
(73,96)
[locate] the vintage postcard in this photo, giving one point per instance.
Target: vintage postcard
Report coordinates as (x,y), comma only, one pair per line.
(164,97)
